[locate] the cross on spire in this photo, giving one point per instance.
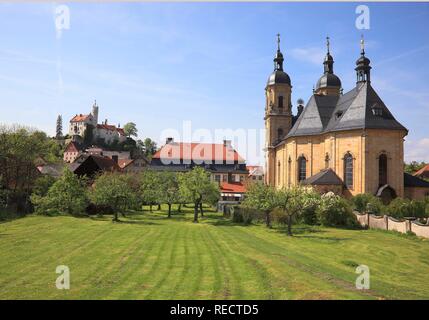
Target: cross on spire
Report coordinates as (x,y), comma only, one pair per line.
(327,43)
(362,45)
(278,41)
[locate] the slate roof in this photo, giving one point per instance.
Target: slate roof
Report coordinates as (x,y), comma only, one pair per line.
(324,177)
(412,181)
(353,110)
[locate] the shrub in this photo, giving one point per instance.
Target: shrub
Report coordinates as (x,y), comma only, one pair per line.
(367,202)
(241,214)
(335,211)
(311,202)
(400,208)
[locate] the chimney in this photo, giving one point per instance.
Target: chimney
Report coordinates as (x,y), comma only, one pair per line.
(169,140)
(227,143)
(105,121)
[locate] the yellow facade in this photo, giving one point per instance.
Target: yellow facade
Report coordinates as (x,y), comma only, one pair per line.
(328,151)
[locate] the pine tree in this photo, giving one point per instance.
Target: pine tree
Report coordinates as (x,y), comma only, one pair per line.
(59,127)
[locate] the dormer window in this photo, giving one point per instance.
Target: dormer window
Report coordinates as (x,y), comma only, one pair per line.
(377,110)
(338,114)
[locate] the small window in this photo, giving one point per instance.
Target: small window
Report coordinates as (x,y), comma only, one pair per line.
(338,114)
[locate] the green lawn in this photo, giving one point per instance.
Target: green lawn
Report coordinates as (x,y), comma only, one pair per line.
(148,256)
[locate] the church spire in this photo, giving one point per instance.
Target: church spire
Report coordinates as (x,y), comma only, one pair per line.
(278,59)
(329,60)
(363,68)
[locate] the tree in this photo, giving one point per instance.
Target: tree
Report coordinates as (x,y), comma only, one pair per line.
(291,202)
(66,196)
(169,185)
(149,147)
(59,131)
(414,166)
(88,135)
(20,147)
(197,187)
(150,187)
(260,197)
(114,190)
(130,129)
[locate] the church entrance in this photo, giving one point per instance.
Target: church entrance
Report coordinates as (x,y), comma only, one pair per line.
(386,193)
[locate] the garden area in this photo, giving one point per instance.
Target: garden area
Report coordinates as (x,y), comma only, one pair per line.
(150,256)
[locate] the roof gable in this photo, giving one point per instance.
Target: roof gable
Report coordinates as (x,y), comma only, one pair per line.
(324,177)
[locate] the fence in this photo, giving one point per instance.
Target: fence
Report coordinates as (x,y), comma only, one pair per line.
(388,223)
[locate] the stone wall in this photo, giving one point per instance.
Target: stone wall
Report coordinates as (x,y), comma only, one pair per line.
(392,224)
(420,229)
(377,222)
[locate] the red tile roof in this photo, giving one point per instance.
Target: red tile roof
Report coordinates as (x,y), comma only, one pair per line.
(197,152)
(72,147)
(122,163)
(80,117)
(234,187)
(423,172)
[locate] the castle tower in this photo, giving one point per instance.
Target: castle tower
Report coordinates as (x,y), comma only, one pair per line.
(278,110)
(328,83)
(95,112)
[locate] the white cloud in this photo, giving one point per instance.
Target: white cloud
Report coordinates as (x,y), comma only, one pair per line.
(313,55)
(417,150)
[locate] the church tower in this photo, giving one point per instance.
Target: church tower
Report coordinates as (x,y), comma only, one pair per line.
(278,110)
(328,84)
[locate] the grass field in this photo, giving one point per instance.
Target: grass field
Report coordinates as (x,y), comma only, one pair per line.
(148,256)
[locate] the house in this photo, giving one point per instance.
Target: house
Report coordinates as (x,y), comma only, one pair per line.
(90,165)
(350,138)
(72,151)
(225,165)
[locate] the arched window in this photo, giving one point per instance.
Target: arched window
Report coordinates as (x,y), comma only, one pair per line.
(278,173)
(279,133)
(302,168)
(348,170)
(382,170)
(289,165)
(280,102)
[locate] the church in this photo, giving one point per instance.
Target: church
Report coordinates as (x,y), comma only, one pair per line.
(345,142)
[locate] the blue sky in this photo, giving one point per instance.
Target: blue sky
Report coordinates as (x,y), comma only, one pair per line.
(159,64)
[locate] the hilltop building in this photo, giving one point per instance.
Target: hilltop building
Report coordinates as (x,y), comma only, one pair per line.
(102,132)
